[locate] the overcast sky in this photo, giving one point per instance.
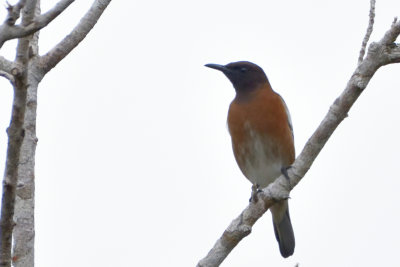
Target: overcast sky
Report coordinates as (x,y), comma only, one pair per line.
(134,164)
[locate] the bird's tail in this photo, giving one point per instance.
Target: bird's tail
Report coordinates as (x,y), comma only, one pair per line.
(283,228)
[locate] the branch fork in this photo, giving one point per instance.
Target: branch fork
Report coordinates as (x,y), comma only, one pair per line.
(8,30)
(25,73)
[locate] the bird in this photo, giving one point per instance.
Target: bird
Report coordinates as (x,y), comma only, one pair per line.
(261,130)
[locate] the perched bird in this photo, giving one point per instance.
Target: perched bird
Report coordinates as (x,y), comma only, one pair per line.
(262,138)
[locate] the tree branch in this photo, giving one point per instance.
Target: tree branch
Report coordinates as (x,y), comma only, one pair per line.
(369,30)
(85,25)
(17,209)
(392,34)
(14,12)
(7,76)
(6,67)
(10,31)
(31,11)
(379,54)
(16,135)
(5,64)
(242,226)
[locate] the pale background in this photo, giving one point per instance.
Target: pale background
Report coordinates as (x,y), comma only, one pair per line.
(134,164)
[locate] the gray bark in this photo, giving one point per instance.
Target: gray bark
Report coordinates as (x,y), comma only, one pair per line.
(369,31)
(24,230)
(25,74)
(10,31)
(16,134)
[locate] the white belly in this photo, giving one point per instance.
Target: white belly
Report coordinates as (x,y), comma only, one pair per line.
(262,165)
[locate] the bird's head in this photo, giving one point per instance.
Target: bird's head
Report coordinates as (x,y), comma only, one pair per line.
(245,76)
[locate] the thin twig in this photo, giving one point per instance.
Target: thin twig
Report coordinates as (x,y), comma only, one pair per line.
(369,31)
(14,12)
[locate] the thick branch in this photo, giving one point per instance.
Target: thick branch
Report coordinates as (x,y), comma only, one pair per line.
(241,227)
(85,25)
(6,67)
(10,31)
(7,76)
(15,137)
(379,54)
(42,20)
(24,229)
(31,11)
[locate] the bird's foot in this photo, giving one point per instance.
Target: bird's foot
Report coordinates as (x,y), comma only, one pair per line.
(255,189)
(285,173)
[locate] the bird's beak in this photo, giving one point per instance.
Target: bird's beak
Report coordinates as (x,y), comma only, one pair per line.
(218,67)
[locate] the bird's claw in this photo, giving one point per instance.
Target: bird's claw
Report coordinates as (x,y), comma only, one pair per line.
(284,171)
(255,189)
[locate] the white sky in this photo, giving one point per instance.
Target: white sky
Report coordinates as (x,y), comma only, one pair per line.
(134,164)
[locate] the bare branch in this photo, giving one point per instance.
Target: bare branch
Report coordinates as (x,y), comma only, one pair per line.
(369,31)
(392,34)
(17,209)
(14,12)
(6,69)
(6,65)
(42,20)
(24,230)
(379,54)
(10,31)
(386,51)
(16,135)
(31,11)
(7,76)
(394,54)
(241,226)
(85,25)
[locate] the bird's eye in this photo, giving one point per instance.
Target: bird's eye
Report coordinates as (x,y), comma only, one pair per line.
(243,70)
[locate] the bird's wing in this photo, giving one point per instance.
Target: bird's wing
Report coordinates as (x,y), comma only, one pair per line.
(289,119)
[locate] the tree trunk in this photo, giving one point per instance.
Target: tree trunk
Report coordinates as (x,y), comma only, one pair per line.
(24,230)
(25,73)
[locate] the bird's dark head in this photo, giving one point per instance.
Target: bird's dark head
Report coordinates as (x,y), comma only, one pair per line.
(245,76)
